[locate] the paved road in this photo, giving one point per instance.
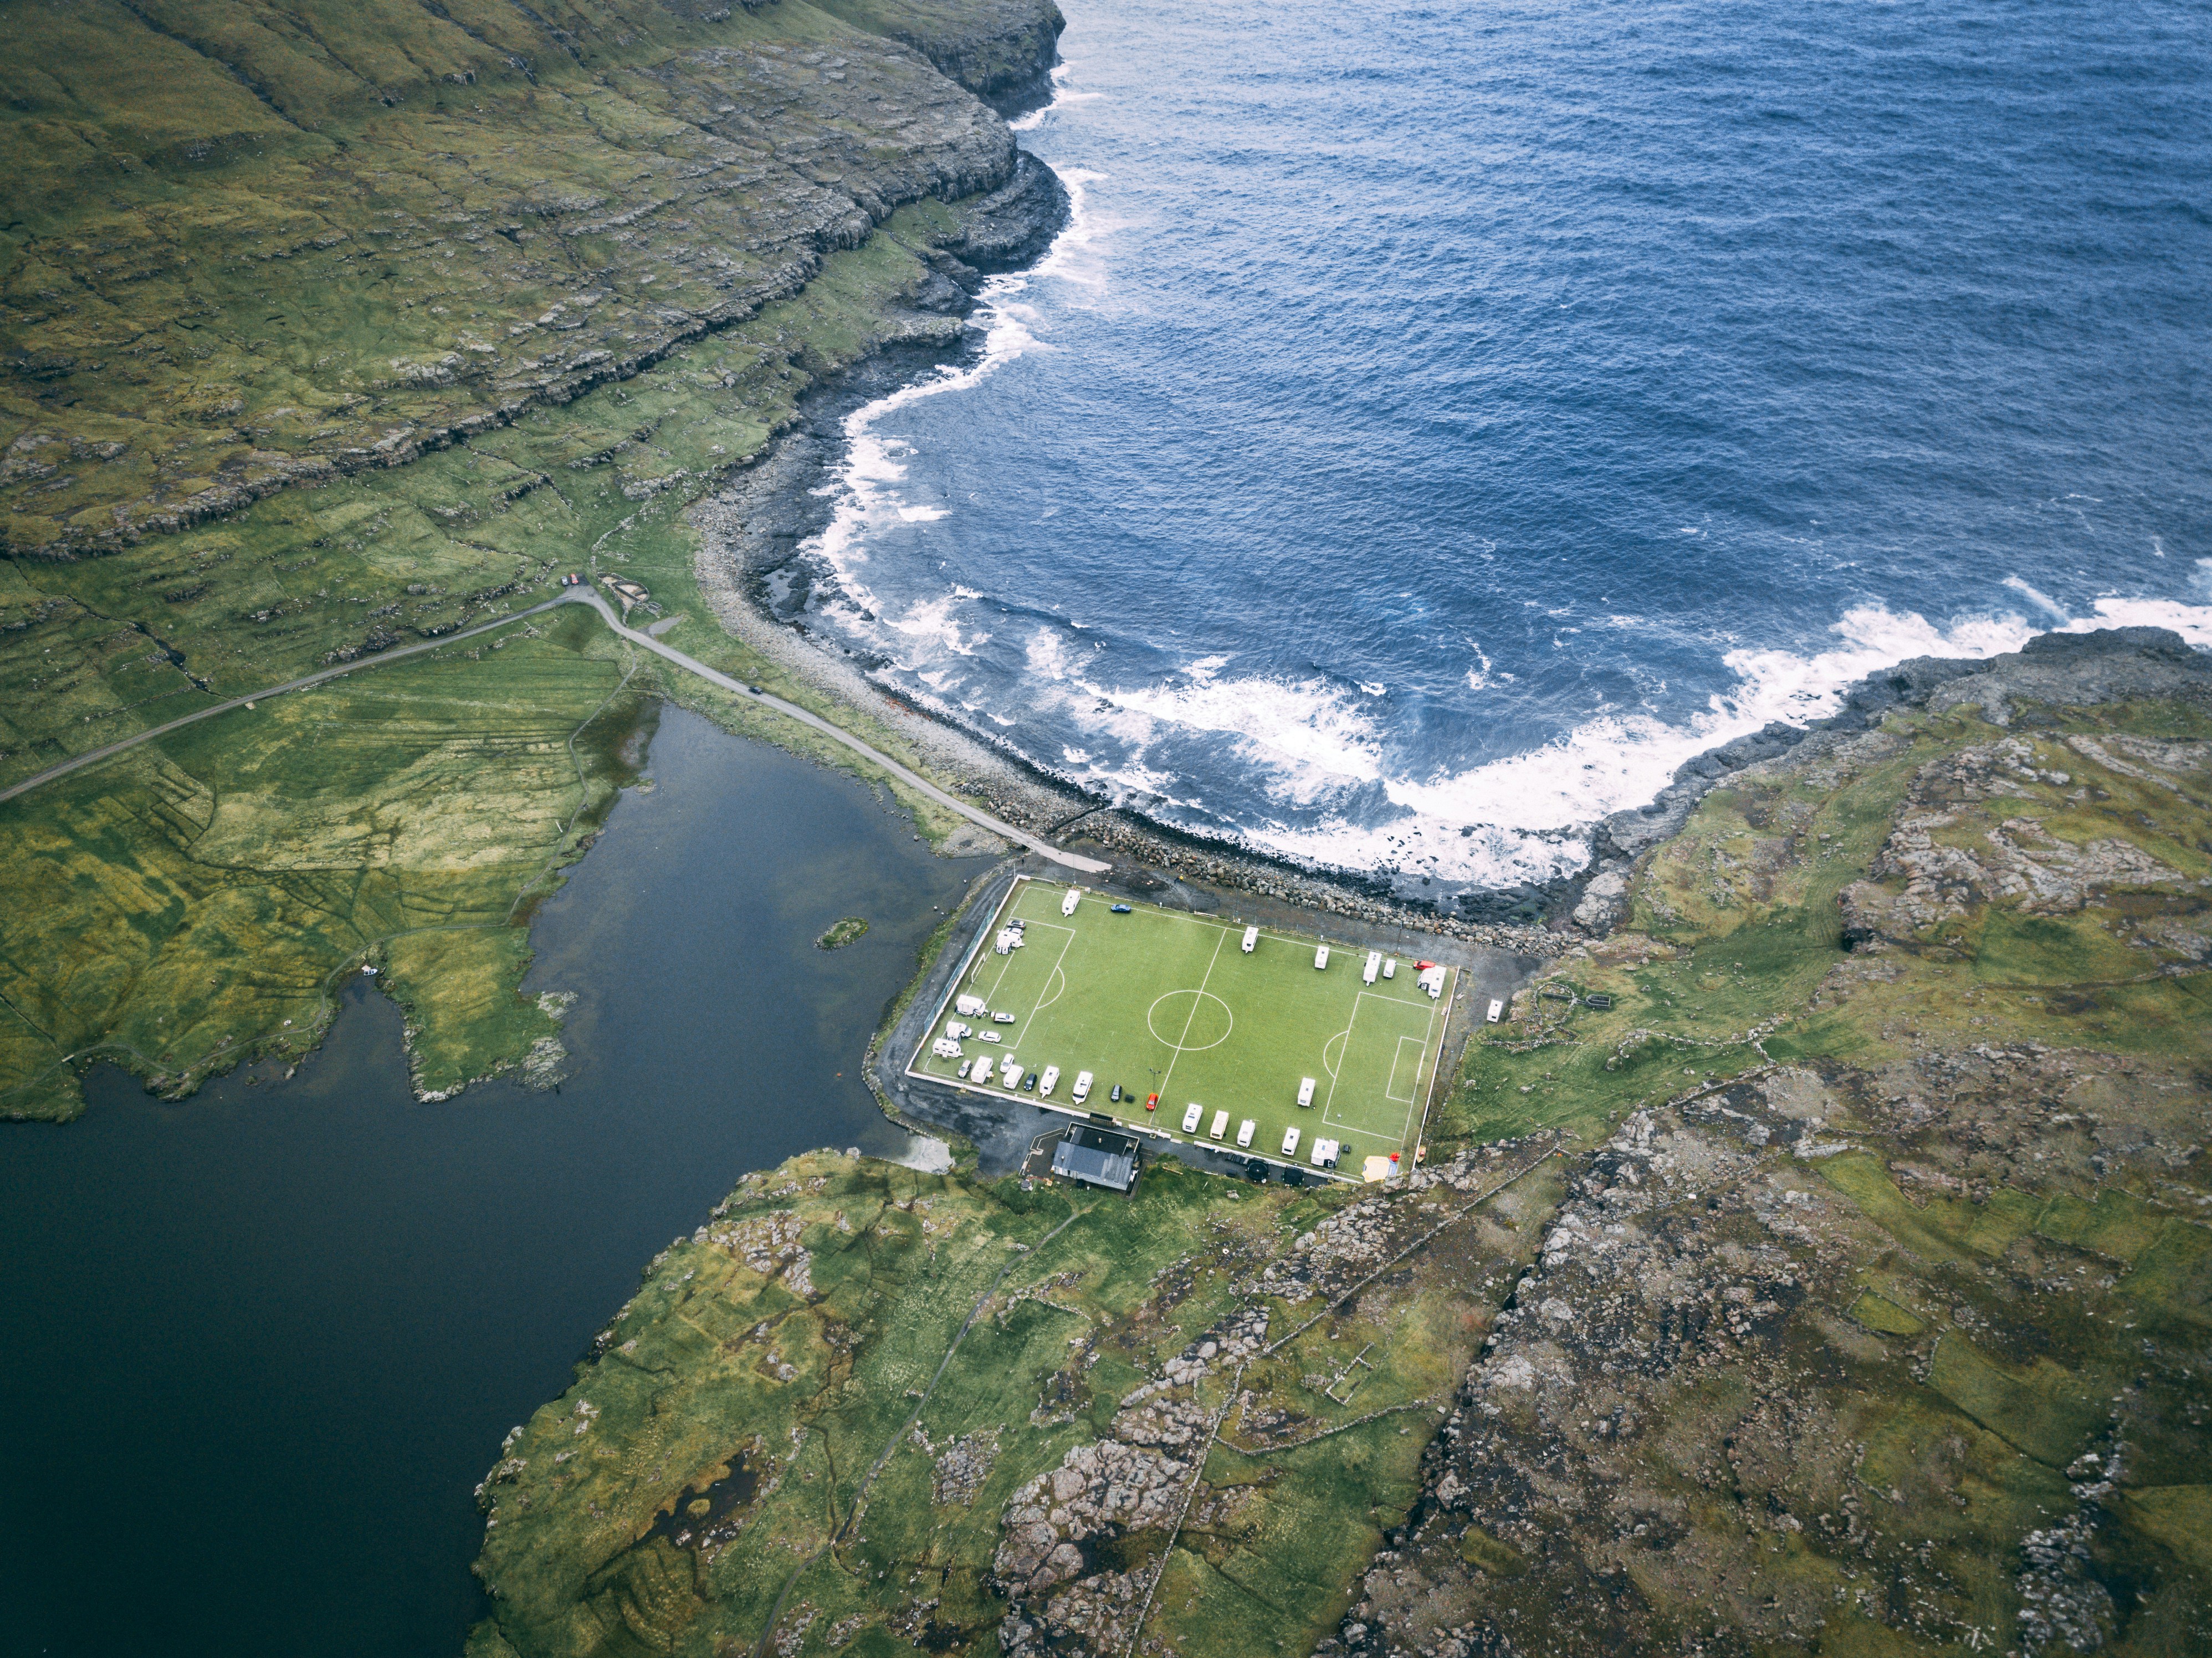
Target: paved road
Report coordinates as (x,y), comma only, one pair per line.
(791,710)
(586,596)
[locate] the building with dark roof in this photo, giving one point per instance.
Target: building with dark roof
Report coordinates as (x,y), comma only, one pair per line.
(1096,1156)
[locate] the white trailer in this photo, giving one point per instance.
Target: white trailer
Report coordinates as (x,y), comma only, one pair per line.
(1324,1154)
(1251,939)
(1390,968)
(971,1007)
(1321,959)
(1190,1118)
(1497,1010)
(1305,1090)
(1068,901)
(1374,966)
(1432,980)
(955,1030)
(1048,1081)
(1244,1130)
(1220,1126)
(1290,1142)
(1082,1087)
(946,1048)
(1010,1070)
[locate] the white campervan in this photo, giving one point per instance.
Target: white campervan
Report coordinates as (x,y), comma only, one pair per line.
(1082,1087)
(1048,1081)
(1010,1070)
(1244,1134)
(1068,901)
(1220,1126)
(1320,959)
(1497,1009)
(1390,968)
(1374,966)
(1251,939)
(1324,1154)
(1305,1090)
(1290,1142)
(1190,1118)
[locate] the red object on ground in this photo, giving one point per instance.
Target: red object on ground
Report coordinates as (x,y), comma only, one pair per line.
(1394,1156)
(1423,966)
(1152,1103)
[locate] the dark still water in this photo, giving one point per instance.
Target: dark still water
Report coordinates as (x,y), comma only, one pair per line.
(260,1346)
(1443,420)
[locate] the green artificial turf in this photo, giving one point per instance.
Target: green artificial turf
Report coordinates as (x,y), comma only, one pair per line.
(1167,1003)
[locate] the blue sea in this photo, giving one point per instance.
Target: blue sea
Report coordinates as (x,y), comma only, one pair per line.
(1438,422)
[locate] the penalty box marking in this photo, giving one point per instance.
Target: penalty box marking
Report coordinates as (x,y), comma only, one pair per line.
(1429,1032)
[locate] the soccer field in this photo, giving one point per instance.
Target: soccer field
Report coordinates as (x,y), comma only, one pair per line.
(1164,1002)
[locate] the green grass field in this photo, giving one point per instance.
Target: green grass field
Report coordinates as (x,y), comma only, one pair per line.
(1164,1002)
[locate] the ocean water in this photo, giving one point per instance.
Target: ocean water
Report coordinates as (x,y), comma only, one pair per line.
(1439,422)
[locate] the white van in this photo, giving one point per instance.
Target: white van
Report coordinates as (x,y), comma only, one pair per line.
(955,1030)
(1321,959)
(1290,1142)
(1068,900)
(1324,1154)
(1251,939)
(1244,1134)
(1305,1090)
(1374,966)
(1497,1009)
(1220,1126)
(1390,968)
(1047,1082)
(1010,1070)
(1190,1119)
(971,1007)
(1082,1087)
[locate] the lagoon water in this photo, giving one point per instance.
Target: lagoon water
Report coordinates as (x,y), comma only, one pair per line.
(262,1345)
(1443,420)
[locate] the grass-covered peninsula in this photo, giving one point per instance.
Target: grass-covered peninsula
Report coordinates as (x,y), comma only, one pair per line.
(328,331)
(1865,1307)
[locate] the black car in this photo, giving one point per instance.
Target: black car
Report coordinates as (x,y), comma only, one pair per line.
(1029,1082)
(1121,909)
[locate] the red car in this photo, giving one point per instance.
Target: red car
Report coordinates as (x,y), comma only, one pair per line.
(1152,1102)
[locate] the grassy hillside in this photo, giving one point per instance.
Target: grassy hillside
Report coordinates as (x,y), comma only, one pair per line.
(1881,1321)
(248,247)
(1872,1313)
(662,357)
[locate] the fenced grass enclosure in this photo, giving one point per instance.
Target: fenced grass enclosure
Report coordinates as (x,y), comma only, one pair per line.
(1166,1002)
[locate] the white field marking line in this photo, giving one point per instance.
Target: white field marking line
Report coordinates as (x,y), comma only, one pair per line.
(1043,999)
(1420,1052)
(1329,1105)
(1342,1036)
(1220,936)
(951,994)
(1051,995)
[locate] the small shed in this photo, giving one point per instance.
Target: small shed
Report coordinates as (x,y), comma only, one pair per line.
(1096,1156)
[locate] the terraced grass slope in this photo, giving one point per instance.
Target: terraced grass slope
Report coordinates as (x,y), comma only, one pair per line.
(235,236)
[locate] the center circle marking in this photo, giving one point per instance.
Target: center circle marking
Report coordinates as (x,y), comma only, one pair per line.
(1189,1021)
